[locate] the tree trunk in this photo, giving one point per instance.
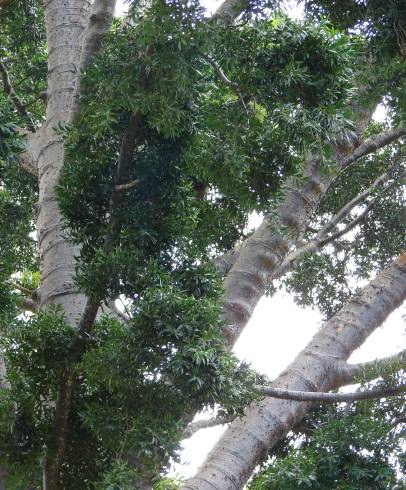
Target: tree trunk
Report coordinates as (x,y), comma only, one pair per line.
(320,366)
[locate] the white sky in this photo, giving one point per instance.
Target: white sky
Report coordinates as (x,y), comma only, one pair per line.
(279,329)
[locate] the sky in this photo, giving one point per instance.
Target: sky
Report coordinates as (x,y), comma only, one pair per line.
(279,329)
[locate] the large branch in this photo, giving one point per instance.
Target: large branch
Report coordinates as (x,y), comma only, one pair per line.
(99,23)
(229,10)
(262,255)
(373,144)
(308,396)
(320,367)
(368,370)
(18,103)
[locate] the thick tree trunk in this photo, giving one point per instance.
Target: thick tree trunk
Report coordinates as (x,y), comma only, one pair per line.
(320,367)
(65,23)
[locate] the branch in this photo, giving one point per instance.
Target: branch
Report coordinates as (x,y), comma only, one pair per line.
(217,68)
(373,144)
(321,240)
(229,10)
(31,293)
(318,368)
(58,442)
(358,219)
(223,263)
(29,299)
(99,23)
(345,210)
(372,369)
(68,380)
(224,78)
(112,305)
(308,396)
(205,424)
(18,103)
(66,387)
(400,420)
(129,185)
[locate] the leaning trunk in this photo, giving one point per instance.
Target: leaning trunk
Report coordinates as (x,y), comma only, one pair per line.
(320,366)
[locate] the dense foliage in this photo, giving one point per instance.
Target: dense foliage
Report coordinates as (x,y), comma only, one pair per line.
(223,117)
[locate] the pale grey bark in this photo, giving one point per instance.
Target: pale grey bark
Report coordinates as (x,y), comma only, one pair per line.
(71,47)
(373,144)
(321,366)
(65,22)
(310,396)
(194,427)
(324,237)
(67,27)
(229,10)
(261,257)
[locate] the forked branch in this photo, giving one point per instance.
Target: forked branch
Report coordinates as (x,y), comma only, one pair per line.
(323,238)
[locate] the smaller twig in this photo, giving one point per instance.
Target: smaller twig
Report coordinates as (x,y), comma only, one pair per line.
(112,305)
(358,219)
(223,77)
(219,71)
(31,293)
(193,427)
(129,185)
(345,210)
(370,370)
(322,240)
(18,103)
(310,396)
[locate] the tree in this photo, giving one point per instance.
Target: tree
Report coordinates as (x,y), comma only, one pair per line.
(135,151)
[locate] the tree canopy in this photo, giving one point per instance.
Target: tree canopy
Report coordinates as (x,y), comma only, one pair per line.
(133,152)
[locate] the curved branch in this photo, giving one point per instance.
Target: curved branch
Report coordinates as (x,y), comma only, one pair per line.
(194,427)
(308,396)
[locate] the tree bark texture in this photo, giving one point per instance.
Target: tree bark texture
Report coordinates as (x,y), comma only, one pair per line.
(320,366)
